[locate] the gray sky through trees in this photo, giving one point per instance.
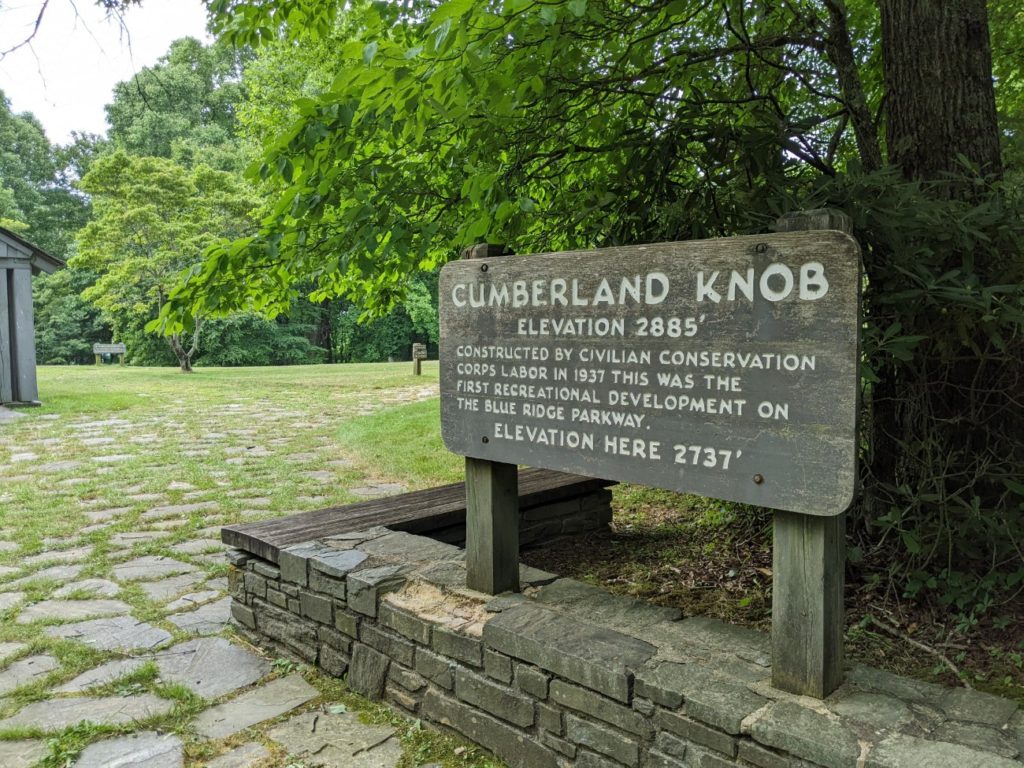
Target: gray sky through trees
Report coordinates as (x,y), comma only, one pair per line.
(66,73)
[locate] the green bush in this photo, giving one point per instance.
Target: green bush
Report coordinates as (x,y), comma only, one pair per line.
(943,353)
(250,339)
(66,325)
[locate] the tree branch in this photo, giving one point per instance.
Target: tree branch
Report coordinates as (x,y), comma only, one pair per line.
(31,36)
(840,51)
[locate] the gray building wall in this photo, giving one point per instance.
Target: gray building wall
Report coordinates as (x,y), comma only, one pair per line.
(19,260)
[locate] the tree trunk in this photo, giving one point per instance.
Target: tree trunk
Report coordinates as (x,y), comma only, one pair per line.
(323,332)
(184,355)
(940,97)
(840,51)
(931,423)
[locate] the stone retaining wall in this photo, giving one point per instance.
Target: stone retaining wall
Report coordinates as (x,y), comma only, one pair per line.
(568,675)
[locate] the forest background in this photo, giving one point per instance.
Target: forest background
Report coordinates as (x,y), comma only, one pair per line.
(167,180)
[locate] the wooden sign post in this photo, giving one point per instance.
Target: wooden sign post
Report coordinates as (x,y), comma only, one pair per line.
(492,503)
(727,368)
(808,566)
(419,354)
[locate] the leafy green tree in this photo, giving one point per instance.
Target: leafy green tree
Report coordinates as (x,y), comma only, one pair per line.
(152,219)
(183,107)
(36,196)
(38,200)
(66,325)
(364,338)
(10,215)
(250,339)
(576,123)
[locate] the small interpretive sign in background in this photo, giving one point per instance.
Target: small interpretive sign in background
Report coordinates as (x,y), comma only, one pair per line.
(726,368)
(109,349)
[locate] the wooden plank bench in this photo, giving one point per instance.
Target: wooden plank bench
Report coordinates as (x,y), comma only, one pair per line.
(546,498)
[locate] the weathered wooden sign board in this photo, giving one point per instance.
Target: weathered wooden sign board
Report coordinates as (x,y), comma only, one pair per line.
(727,368)
(109,349)
(419,351)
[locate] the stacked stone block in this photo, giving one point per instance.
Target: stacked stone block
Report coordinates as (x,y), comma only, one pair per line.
(567,676)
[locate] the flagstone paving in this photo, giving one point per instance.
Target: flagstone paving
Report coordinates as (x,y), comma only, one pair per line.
(131,538)
(94,587)
(10,599)
(329,740)
(26,671)
(59,573)
(8,416)
(57,714)
(122,633)
(193,599)
(64,556)
(102,675)
(247,755)
(9,649)
(121,558)
(150,568)
(211,667)
(22,753)
(71,610)
(165,589)
(275,698)
(147,749)
(208,619)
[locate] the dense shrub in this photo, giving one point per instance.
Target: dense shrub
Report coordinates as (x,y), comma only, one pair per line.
(249,339)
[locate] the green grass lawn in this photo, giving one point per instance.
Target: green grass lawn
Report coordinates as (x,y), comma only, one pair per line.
(109,389)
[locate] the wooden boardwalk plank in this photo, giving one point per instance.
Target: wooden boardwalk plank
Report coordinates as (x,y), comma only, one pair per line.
(416,512)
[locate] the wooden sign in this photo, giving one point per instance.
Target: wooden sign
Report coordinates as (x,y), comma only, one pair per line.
(109,349)
(727,368)
(419,351)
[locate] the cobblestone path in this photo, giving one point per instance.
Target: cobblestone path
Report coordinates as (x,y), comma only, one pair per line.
(115,647)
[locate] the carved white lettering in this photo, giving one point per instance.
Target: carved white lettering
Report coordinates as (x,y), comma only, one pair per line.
(813,283)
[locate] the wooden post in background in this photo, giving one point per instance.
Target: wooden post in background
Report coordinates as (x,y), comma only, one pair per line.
(419,354)
(808,562)
(492,506)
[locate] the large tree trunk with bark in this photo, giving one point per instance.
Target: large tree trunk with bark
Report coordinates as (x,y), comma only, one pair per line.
(933,423)
(940,98)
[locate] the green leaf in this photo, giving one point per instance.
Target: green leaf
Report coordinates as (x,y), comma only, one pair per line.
(549,14)
(911,543)
(577,7)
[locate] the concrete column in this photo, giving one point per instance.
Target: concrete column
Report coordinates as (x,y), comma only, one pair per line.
(25,388)
(6,353)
